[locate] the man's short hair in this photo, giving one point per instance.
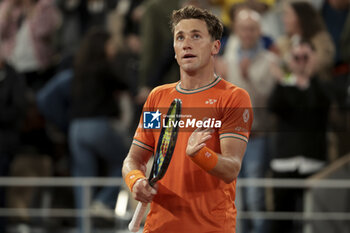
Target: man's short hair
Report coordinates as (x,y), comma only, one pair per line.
(215,27)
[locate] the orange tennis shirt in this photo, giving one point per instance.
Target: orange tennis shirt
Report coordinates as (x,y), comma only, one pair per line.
(190,200)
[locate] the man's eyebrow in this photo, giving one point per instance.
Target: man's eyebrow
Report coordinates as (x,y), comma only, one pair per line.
(192,31)
(195,31)
(179,32)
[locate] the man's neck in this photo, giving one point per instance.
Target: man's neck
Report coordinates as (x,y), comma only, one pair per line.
(191,81)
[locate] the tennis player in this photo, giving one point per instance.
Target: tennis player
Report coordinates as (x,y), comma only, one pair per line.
(197,193)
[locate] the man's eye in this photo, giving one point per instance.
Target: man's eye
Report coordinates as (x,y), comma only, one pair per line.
(179,38)
(196,36)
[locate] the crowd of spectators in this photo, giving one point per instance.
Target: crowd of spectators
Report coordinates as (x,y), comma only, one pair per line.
(74,75)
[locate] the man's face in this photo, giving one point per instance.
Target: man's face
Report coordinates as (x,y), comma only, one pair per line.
(194,47)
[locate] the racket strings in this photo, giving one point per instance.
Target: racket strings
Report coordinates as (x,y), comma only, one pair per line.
(166,140)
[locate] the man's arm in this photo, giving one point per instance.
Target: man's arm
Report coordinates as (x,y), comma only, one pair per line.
(137,159)
(230,159)
(228,163)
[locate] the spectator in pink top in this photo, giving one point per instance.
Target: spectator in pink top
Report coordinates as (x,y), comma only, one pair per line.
(27,28)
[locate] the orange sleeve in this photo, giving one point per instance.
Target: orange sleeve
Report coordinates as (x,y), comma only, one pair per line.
(144,138)
(237,116)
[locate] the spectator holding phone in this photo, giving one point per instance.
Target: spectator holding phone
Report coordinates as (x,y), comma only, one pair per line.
(301,103)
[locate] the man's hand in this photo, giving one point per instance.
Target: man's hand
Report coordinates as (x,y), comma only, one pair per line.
(197,140)
(143,192)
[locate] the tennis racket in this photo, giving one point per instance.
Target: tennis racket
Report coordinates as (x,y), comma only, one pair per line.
(162,157)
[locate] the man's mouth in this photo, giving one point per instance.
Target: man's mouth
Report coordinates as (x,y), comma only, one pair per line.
(187,56)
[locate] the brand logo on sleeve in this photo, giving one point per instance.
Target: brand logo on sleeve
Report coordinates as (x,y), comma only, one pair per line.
(246,116)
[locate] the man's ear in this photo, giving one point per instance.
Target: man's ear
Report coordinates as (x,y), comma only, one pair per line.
(216,47)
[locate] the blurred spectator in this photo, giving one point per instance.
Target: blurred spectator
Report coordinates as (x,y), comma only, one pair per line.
(95,131)
(12,108)
(156,39)
(301,103)
(267,8)
(133,17)
(249,68)
(336,14)
(128,44)
(266,40)
(27,29)
(126,65)
(124,26)
(78,16)
(54,104)
(71,30)
(97,12)
(302,22)
(54,100)
(227,5)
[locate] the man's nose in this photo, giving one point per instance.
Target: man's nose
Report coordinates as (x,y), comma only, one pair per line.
(187,44)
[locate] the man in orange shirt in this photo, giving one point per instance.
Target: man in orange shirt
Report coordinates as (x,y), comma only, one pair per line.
(197,192)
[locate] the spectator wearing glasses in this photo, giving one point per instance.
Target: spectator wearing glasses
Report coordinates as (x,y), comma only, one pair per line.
(301,103)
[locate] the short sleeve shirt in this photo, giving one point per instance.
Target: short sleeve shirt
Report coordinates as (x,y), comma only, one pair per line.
(189,199)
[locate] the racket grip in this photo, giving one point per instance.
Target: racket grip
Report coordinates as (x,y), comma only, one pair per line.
(134,225)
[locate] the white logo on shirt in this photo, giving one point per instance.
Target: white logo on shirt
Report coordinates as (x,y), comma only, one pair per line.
(207,154)
(211,101)
(246,116)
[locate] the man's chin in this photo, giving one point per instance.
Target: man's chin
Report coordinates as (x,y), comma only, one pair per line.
(189,68)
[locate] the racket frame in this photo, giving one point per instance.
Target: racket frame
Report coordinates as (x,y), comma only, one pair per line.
(141,208)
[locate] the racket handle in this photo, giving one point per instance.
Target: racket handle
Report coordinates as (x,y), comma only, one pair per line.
(134,225)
